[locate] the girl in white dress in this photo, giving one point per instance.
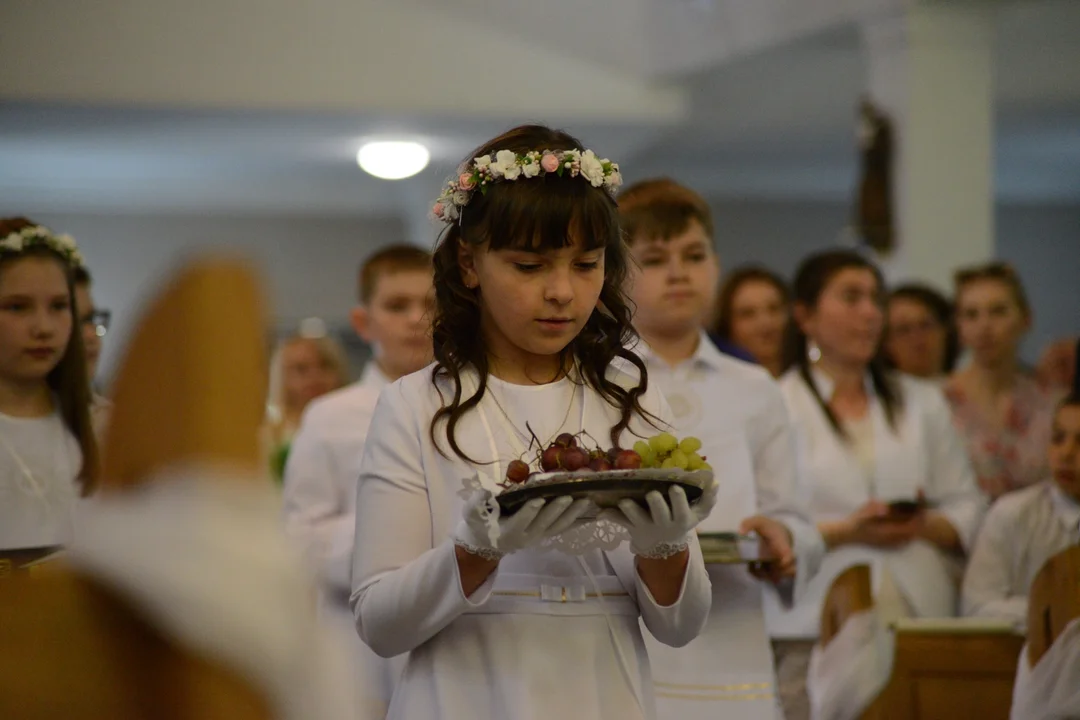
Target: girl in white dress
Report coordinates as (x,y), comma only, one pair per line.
(871,439)
(534,615)
(47,450)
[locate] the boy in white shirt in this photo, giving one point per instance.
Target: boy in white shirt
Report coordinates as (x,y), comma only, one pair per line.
(394,317)
(738,413)
(1027,527)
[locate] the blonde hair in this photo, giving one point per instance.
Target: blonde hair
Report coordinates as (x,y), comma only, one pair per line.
(330,351)
(996,271)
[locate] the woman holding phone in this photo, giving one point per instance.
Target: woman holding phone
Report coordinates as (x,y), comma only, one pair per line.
(890,483)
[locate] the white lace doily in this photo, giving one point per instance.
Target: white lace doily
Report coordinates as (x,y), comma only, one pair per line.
(583,537)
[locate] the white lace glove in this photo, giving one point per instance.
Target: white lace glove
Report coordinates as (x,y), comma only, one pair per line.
(665,530)
(483,532)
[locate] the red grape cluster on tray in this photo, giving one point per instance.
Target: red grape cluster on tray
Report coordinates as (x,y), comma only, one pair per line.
(567,453)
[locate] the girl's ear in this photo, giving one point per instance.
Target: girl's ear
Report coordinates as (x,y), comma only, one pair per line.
(801,314)
(466,257)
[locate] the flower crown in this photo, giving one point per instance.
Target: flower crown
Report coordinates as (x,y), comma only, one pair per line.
(482,172)
(39,235)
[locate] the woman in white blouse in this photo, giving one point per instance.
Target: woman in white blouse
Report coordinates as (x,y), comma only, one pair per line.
(870,439)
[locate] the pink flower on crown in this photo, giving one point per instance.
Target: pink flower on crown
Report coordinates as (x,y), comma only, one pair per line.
(466,182)
(549,162)
(438,210)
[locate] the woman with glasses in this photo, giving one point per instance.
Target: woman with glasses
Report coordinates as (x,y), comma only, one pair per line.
(919,336)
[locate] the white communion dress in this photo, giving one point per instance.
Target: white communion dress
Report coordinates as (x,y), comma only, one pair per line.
(554,631)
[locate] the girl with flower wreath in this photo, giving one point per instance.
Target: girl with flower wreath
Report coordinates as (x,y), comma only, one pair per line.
(534,615)
(47,449)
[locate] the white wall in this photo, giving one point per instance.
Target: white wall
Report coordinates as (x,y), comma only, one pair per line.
(310,265)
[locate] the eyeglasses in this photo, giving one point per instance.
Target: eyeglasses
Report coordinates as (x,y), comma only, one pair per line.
(99,320)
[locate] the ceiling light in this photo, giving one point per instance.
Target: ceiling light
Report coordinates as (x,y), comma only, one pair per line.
(393,160)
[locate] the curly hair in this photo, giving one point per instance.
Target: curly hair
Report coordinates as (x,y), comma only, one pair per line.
(540,214)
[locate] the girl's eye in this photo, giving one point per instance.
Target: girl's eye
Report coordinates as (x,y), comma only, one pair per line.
(60,305)
(695,257)
(589,265)
(652,261)
(527,267)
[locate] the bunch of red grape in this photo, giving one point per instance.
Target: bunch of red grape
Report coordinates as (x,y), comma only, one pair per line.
(566,454)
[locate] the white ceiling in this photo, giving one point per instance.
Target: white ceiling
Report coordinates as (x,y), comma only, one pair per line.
(774,122)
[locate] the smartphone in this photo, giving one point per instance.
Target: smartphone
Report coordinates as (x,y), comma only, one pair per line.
(904,509)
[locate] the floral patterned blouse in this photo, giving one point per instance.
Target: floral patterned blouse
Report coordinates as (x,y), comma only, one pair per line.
(1010,457)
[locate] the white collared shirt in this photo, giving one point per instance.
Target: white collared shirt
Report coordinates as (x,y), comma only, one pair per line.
(1023,530)
(922,453)
(321,474)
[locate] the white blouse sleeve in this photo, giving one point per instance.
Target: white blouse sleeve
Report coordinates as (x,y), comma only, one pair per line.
(780,492)
(313,507)
(951,486)
(404,590)
(988,589)
(682,621)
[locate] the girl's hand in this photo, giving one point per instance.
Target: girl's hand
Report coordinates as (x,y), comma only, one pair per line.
(484,533)
(873,525)
(775,543)
(665,529)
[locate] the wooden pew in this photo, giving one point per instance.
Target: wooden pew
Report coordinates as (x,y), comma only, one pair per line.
(1054,601)
(190,389)
(937,674)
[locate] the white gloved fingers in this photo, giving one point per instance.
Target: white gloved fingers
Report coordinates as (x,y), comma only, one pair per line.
(569,517)
(681,515)
(548,516)
(706,502)
(519,522)
(634,514)
(658,507)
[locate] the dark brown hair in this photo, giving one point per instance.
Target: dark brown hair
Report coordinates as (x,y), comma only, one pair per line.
(725,299)
(69,379)
(540,214)
(813,276)
(390,259)
(660,209)
(998,271)
(942,310)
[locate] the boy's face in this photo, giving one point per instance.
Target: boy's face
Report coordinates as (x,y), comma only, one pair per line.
(1064,452)
(674,283)
(398,320)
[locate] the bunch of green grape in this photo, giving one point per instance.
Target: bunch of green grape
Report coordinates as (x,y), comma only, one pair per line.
(666,451)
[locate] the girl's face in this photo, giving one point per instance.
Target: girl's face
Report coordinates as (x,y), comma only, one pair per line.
(1064,452)
(990,321)
(306,374)
(758,319)
(35,317)
(532,304)
(847,320)
(915,340)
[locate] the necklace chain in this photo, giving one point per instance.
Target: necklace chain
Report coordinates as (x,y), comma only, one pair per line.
(529,435)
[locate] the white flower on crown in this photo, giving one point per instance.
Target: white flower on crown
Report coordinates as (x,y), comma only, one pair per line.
(592,168)
(506,165)
(531,167)
(76,258)
(614,178)
(34,231)
(483,162)
(461,197)
(12,242)
(67,242)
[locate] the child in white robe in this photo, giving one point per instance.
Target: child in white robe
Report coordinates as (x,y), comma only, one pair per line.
(319,494)
(48,454)
(535,614)
(738,413)
(1027,527)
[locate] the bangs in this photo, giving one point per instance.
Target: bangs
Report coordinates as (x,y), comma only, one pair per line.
(543,213)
